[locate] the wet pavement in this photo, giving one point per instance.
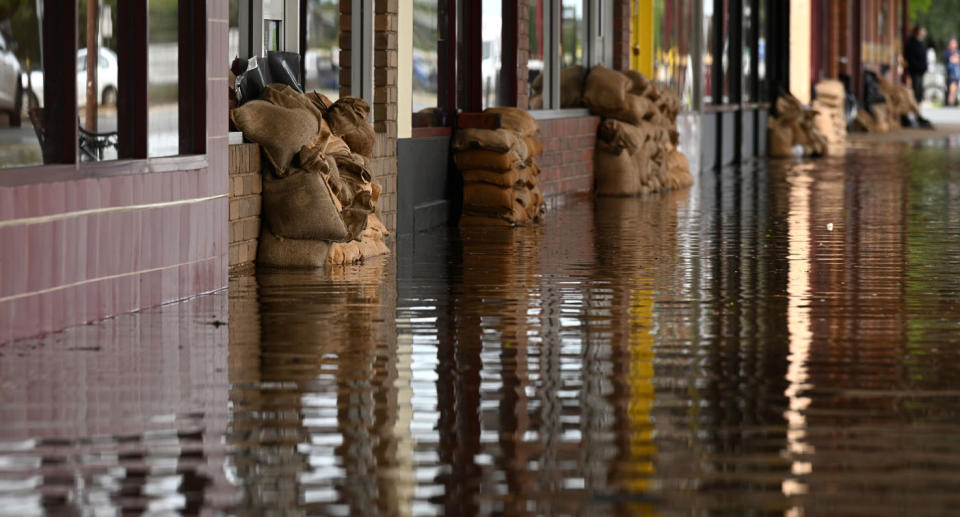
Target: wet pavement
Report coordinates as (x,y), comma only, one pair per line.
(783,339)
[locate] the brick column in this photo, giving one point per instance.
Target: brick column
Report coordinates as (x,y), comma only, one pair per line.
(621,34)
(385,107)
(384,162)
(523,53)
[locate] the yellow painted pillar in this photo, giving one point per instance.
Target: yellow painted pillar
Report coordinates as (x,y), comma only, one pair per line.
(641,36)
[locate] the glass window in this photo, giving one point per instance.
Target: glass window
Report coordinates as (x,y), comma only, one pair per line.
(21,73)
(535,59)
(673,21)
(708,57)
(749,74)
(762,84)
(723,18)
(97,84)
(573,41)
(322,56)
(426,19)
(492,52)
(233,34)
(163,132)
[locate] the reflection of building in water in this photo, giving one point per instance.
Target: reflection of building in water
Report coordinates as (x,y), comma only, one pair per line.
(315,419)
(124,415)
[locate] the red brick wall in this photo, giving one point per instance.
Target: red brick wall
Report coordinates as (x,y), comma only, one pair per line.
(566,165)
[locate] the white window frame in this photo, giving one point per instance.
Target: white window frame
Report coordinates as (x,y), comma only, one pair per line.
(598,47)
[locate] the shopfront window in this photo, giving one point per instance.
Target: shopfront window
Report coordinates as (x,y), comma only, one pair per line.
(535,35)
(163,80)
(749,74)
(708,55)
(492,53)
(322,54)
(426,35)
(21,84)
(763,85)
(97,80)
(673,21)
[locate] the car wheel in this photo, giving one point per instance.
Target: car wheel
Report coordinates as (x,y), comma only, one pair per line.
(109,97)
(16,112)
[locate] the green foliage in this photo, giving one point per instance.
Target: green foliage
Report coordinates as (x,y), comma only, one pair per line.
(940,18)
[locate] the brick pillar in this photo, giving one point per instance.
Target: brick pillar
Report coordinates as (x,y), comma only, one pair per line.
(385,107)
(384,163)
(523,53)
(621,34)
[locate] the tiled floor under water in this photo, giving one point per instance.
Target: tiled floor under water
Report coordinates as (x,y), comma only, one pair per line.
(783,339)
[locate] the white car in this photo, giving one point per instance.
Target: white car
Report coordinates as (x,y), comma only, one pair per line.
(11,87)
(106,78)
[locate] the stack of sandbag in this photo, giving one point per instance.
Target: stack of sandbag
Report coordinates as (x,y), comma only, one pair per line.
(793,129)
(828,107)
(319,200)
(637,141)
(500,175)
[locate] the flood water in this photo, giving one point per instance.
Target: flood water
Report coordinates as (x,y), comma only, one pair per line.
(782,339)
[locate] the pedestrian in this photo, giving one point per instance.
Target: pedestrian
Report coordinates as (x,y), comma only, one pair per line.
(916,55)
(952,57)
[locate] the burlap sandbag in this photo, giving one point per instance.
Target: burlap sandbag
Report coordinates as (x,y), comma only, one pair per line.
(830,121)
(616,173)
(621,135)
(353,252)
(488,199)
(529,176)
(274,251)
(486,160)
(638,82)
(830,92)
(281,94)
(516,215)
(536,208)
(779,138)
(534,146)
(678,170)
(319,100)
(336,145)
(348,119)
(522,194)
(301,206)
(606,91)
(536,101)
(500,178)
(515,119)
(789,109)
(636,109)
(280,131)
(571,87)
(498,140)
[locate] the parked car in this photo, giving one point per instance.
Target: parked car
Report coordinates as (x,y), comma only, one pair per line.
(106,78)
(11,85)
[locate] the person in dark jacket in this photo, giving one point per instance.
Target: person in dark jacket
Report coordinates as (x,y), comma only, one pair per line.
(916,55)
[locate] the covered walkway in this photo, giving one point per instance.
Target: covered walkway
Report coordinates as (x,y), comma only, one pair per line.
(783,338)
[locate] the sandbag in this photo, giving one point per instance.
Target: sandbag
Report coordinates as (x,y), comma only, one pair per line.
(616,173)
(571,87)
(779,139)
(789,108)
(347,253)
(319,100)
(516,215)
(534,146)
(536,101)
(536,208)
(606,91)
(636,109)
(301,206)
(277,251)
(497,140)
(500,178)
(348,119)
(638,82)
(487,160)
(515,119)
(280,131)
(486,198)
(281,94)
(678,169)
(620,135)
(336,145)
(529,176)
(830,92)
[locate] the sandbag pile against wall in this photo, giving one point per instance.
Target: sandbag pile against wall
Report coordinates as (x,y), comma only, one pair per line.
(828,107)
(637,141)
(898,102)
(793,127)
(319,199)
(500,174)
